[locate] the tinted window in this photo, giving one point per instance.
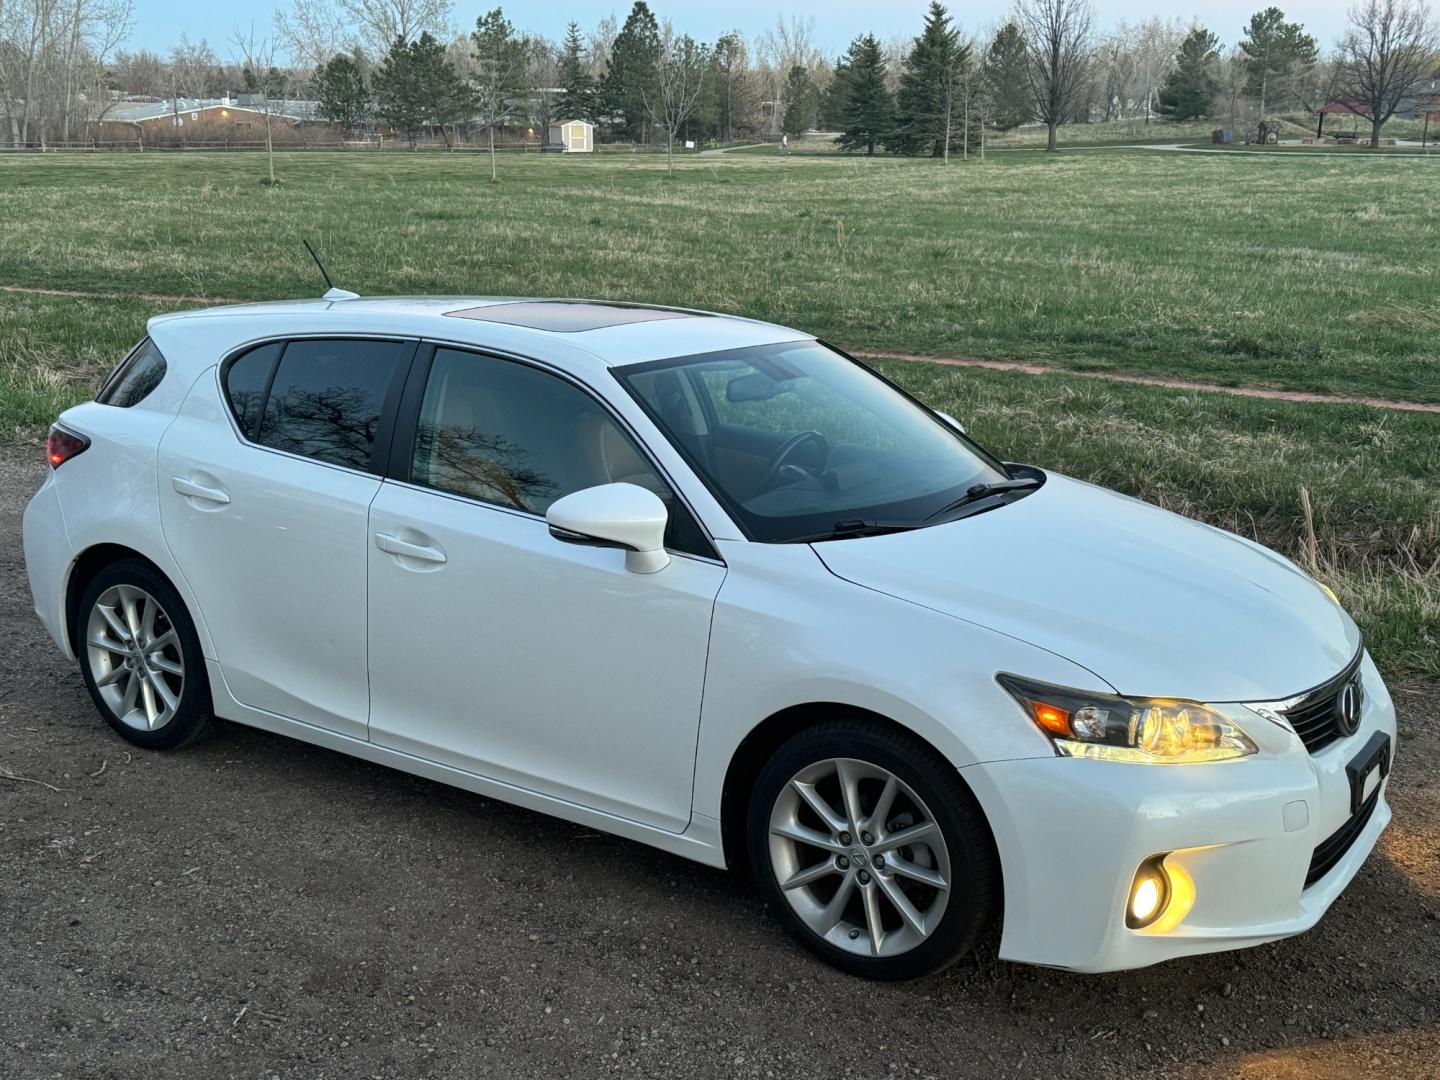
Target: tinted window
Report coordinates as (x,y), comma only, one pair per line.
(245,381)
(133,380)
(513,435)
(326,399)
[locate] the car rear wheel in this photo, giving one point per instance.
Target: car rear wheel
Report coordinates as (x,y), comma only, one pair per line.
(872,850)
(141,658)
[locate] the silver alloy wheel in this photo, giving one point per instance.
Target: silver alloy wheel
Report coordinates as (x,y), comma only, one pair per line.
(135,658)
(859,857)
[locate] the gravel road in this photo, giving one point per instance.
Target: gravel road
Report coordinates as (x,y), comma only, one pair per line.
(253,907)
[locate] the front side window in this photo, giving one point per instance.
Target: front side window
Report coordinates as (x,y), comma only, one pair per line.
(326,398)
(796,439)
(135,378)
(510,434)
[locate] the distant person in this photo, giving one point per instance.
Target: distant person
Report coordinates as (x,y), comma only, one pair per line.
(785,143)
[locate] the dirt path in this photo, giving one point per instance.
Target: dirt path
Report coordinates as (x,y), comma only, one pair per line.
(954,361)
(1156,380)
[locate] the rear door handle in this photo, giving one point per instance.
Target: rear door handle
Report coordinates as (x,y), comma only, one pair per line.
(393,545)
(192,490)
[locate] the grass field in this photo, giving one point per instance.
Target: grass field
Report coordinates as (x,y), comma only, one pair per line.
(1299,274)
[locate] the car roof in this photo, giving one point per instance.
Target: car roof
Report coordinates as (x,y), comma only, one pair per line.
(575,334)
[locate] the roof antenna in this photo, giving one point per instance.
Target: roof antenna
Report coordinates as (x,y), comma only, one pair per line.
(331,292)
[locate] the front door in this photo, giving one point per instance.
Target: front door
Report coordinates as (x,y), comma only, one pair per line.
(497,649)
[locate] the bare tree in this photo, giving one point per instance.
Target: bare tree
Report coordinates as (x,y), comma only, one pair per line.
(95,28)
(52,57)
(29,32)
(378,23)
(601,40)
(785,46)
(1057,37)
(191,65)
(311,32)
(1386,55)
(1156,44)
(679,75)
(141,72)
(257,56)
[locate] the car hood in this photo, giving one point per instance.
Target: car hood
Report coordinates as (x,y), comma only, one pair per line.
(1153,603)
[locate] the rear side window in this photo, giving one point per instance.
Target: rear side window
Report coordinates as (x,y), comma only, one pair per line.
(326,399)
(138,374)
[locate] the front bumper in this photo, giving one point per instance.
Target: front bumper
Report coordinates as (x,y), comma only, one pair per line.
(1071,834)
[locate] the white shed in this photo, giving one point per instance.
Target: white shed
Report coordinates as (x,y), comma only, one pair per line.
(576,136)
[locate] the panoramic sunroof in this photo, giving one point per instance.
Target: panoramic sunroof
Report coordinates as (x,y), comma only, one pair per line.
(565,316)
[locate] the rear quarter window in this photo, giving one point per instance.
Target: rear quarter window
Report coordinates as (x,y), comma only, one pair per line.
(136,376)
(245,380)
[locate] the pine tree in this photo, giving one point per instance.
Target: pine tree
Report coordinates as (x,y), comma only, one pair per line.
(341,93)
(577,85)
(417,87)
(1006,84)
(801,98)
(397,100)
(1189,92)
(499,77)
(831,113)
(929,103)
(1274,49)
(868,113)
(632,79)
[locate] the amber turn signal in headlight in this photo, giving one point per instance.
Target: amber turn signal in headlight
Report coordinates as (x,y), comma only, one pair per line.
(1112,728)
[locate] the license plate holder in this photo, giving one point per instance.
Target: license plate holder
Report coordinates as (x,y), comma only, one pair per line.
(1367,769)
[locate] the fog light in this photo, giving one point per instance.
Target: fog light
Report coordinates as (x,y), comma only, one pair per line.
(1149,893)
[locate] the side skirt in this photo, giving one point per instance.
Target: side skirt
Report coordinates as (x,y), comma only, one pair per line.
(700,841)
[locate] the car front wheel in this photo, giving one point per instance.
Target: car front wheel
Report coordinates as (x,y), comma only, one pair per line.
(872,850)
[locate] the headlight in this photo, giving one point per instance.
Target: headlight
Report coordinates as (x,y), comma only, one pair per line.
(1152,730)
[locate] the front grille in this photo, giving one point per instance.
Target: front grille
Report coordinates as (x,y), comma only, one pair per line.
(1315,716)
(1333,848)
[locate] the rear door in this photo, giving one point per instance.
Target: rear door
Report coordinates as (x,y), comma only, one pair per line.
(266,480)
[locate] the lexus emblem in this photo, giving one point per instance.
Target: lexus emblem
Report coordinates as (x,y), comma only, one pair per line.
(1347,709)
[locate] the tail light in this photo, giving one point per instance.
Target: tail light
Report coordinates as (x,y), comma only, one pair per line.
(63,445)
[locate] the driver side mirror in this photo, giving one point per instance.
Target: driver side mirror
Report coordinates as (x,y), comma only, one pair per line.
(951,421)
(623,516)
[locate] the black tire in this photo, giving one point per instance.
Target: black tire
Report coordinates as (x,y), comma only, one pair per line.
(192,713)
(974,893)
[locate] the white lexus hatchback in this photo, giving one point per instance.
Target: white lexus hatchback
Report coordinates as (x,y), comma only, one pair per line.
(710,584)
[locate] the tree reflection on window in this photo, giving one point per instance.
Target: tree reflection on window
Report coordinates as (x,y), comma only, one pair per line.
(486,466)
(326,398)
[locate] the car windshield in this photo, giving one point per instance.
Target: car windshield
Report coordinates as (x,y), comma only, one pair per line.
(796,439)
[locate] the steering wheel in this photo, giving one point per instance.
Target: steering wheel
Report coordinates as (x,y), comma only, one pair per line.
(781,458)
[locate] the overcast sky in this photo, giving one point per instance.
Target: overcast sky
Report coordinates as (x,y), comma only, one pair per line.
(159,23)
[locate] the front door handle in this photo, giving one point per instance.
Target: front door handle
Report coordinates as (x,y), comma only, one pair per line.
(192,490)
(393,545)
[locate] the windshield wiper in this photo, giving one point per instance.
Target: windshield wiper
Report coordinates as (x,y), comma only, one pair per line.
(976,492)
(843,530)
